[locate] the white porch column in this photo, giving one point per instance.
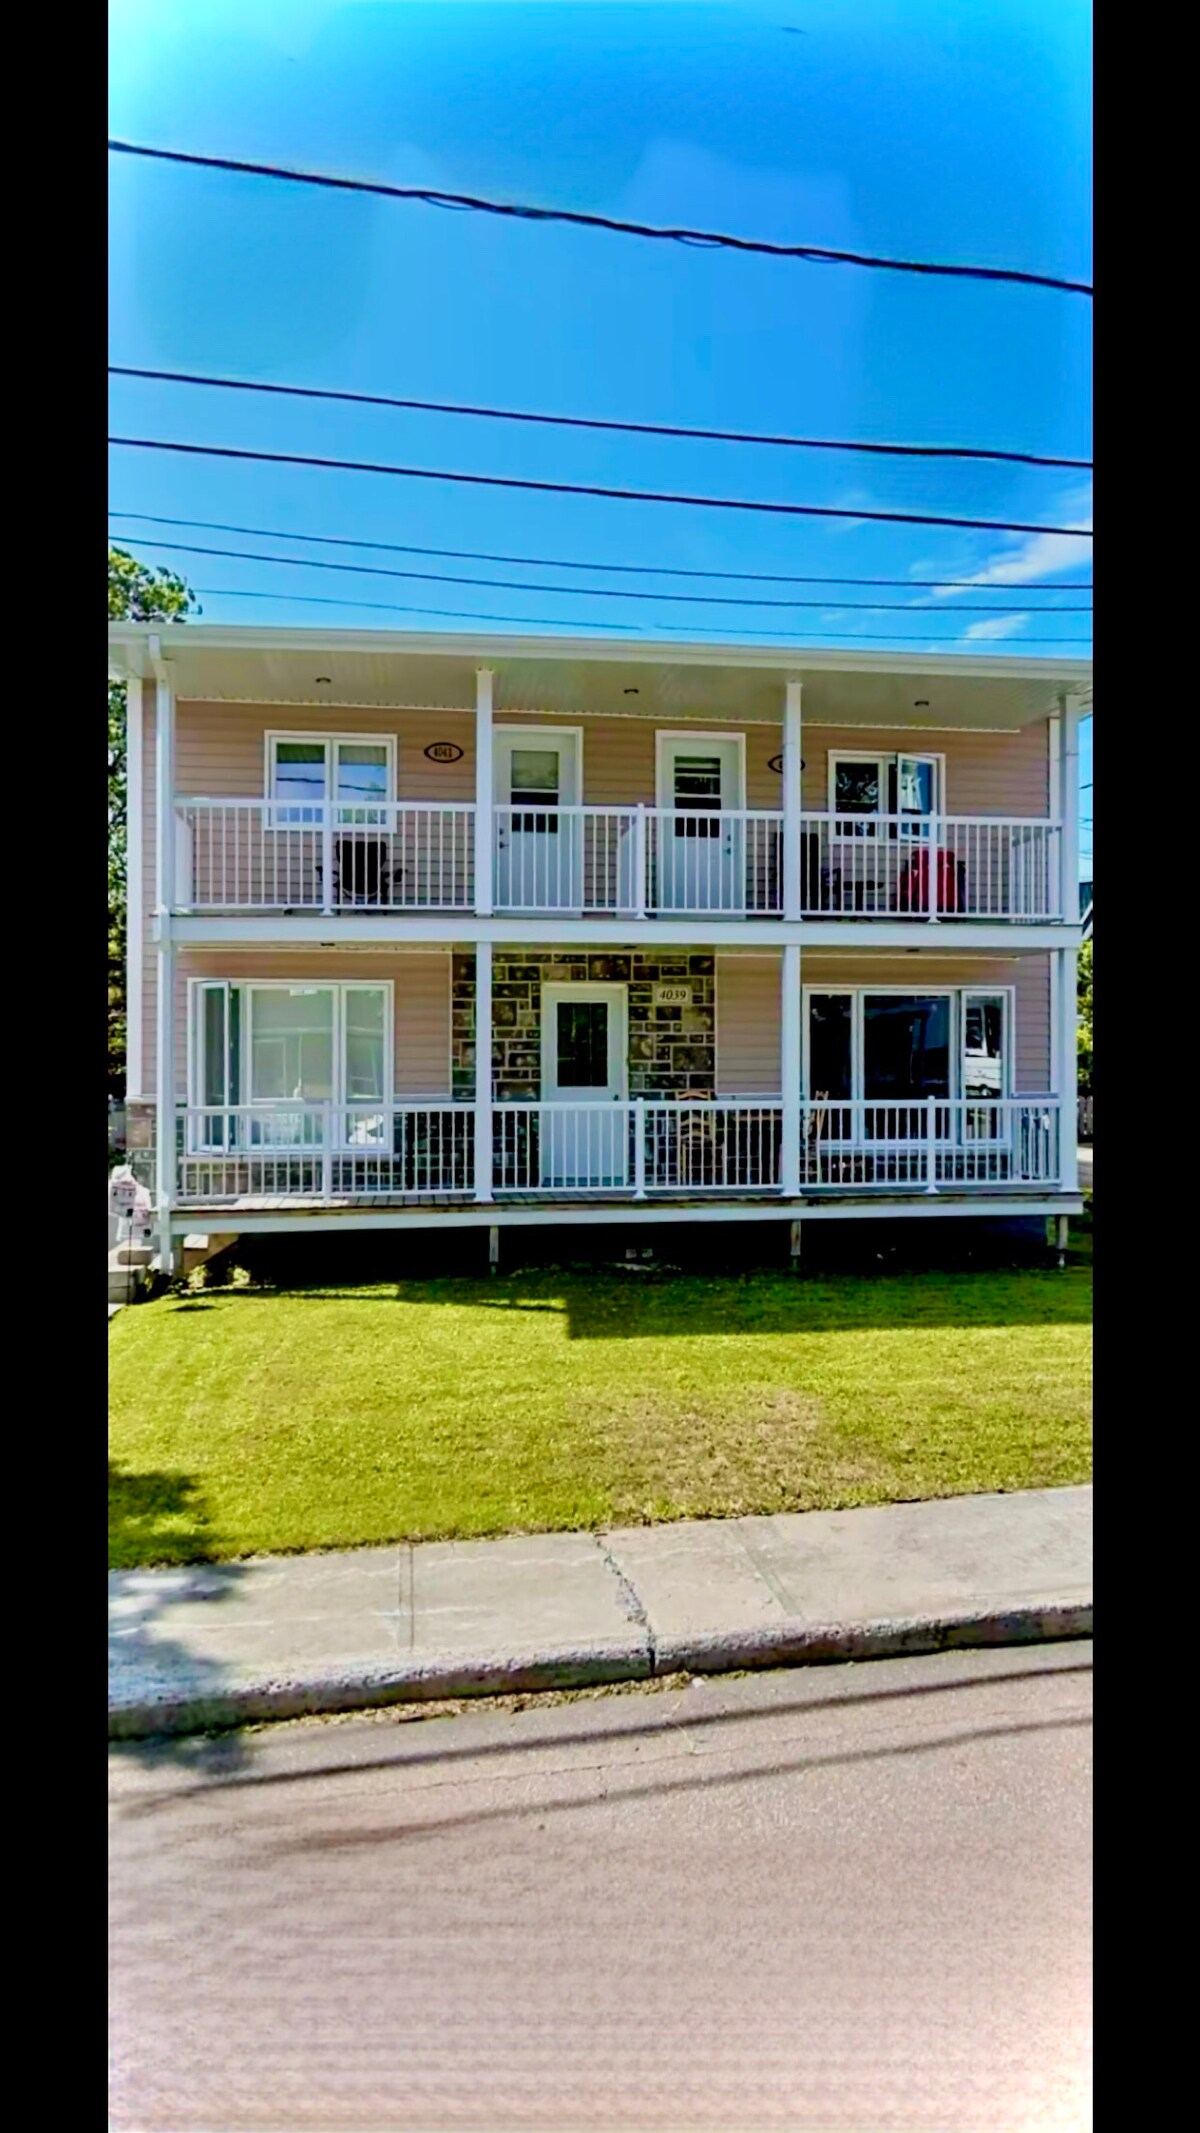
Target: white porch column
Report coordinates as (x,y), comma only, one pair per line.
(485,831)
(135,900)
(792,875)
(483,1066)
(164,789)
(164,1094)
(789,1071)
(1068,1063)
(1068,792)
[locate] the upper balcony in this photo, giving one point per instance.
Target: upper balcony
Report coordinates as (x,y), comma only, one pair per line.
(265,856)
(294,784)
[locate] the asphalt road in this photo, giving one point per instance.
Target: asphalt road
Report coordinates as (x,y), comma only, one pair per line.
(852,1897)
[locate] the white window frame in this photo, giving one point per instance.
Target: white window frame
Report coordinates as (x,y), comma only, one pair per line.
(339,987)
(281,814)
(868,825)
(957,994)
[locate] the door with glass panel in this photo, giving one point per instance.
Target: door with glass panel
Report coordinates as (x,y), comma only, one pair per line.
(539,849)
(700,847)
(583,1123)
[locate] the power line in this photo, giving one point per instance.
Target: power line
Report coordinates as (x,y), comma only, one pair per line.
(584,488)
(558,622)
(596,422)
(825,255)
(598,592)
(549,562)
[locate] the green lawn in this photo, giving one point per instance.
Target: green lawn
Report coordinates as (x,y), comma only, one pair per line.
(247,1420)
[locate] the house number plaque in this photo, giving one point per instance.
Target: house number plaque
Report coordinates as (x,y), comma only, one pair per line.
(443,752)
(672,996)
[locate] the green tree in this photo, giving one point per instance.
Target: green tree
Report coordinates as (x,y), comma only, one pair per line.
(1085,1019)
(136,593)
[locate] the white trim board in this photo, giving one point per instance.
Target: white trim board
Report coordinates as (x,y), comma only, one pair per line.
(499,1214)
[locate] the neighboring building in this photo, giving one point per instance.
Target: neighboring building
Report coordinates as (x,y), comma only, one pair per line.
(487,930)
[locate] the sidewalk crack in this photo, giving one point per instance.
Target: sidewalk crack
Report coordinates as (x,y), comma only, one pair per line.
(629,1599)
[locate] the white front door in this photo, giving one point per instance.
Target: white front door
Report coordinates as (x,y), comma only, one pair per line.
(539,848)
(701,845)
(584,1120)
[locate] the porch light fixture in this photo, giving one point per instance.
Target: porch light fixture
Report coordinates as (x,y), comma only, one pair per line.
(921,703)
(328,678)
(631,692)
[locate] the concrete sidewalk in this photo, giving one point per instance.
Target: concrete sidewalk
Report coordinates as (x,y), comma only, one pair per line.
(278,1636)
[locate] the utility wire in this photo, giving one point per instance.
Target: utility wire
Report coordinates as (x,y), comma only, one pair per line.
(598,592)
(596,422)
(550,562)
(583,488)
(558,622)
(428,196)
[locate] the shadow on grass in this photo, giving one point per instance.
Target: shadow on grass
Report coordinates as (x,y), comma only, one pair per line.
(155,1517)
(646,1303)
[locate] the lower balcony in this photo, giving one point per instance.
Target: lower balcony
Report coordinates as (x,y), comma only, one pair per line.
(331,1156)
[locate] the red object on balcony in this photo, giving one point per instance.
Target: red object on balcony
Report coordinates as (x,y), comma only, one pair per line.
(913,887)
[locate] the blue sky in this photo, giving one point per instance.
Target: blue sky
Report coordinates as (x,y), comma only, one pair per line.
(919,127)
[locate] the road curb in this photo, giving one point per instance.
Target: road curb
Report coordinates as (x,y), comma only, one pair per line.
(175,1711)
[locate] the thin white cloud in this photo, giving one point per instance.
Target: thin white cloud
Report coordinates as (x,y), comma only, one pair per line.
(1037,555)
(995,626)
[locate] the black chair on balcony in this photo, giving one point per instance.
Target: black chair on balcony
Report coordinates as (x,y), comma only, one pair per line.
(363,873)
(820,887)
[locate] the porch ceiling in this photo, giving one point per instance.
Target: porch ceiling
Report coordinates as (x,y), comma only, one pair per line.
(662,682)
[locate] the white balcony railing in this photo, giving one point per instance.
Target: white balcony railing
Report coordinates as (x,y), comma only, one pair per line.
(638,860)
(265,855)
(325,1152)
(948,866)
(932,1144)
(569,859)
(330,1153)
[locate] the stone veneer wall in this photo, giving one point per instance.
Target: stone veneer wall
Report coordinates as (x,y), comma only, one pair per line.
(672,1050)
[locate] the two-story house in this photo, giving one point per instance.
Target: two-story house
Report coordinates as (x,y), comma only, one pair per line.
(465,930)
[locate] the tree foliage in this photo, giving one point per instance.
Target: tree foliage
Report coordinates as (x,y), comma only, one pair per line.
(136,593)
(1085,1019)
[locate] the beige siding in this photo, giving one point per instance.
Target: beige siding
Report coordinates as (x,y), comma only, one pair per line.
(986,773)
(620,758)
(421,987)
(221,753)
(748,1024)
(220,749)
